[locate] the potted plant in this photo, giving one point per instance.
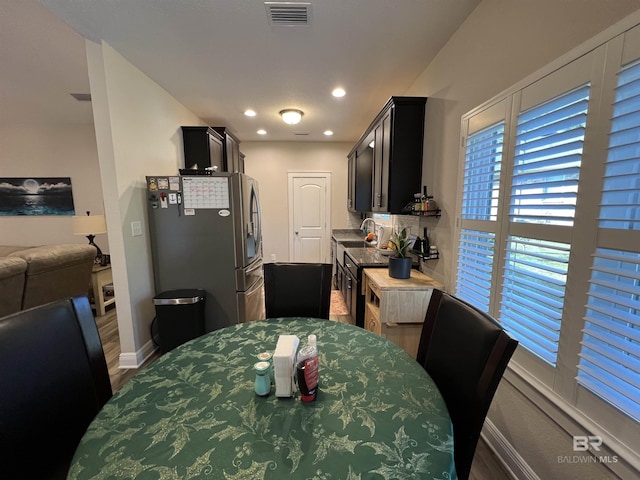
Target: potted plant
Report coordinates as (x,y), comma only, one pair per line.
(399,262)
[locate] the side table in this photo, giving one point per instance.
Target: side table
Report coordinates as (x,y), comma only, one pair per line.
(101,277)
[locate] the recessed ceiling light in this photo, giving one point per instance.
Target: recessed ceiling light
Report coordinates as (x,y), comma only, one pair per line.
(262,131)
(328,133)
(338,92)
(250,113)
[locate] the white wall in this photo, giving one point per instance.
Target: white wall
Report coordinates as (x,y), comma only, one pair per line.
(138,133)
(270,162)
(499,44)
(45,150)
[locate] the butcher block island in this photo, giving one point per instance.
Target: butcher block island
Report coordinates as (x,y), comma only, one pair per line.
(395,308)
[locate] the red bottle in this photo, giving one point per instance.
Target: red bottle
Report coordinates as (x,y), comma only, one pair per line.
(307,367)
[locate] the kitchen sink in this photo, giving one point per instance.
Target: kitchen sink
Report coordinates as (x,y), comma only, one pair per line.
(357,244)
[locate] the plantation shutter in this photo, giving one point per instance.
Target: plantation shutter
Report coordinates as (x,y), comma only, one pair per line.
(549,141)
(609,363)
(547,160)
(475,265)
(620,206)
(482,173)
(533,294)
(483,160)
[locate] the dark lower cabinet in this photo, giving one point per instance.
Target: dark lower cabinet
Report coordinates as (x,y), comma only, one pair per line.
(351,290)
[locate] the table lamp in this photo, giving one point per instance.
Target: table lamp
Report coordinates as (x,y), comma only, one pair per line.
(90,225)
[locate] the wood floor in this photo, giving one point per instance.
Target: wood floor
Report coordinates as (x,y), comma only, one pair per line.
(485,465)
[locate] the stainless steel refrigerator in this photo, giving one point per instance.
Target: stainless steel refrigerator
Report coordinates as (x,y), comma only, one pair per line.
(205,233)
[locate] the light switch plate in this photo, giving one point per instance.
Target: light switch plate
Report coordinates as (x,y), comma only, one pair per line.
(136,229)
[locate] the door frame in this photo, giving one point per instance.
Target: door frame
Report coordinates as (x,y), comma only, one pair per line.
(327,201)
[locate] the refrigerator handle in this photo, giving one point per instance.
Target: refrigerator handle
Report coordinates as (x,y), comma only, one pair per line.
(257,286)
(253,269)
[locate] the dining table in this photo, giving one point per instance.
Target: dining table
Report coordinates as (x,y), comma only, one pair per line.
(193,413)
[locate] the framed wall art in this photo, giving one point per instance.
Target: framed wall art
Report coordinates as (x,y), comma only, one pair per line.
(36,196)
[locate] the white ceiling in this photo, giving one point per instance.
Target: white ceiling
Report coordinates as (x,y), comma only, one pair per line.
(220,57)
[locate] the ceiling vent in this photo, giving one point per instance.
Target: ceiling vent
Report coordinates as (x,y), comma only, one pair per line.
(81,97)
(288,13)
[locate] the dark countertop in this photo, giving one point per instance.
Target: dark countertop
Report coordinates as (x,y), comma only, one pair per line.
(347,235)
(370,257)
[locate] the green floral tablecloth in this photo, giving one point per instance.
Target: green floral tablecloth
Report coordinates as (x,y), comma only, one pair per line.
(193,414)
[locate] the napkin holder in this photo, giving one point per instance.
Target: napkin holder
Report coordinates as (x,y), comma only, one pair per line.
(284,365)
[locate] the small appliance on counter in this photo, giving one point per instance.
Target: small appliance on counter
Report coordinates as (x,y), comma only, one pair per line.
(384,234)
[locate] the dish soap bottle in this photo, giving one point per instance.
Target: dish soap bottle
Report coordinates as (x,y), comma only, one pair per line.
(307,366)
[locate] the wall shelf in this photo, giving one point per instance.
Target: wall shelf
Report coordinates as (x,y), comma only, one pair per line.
(428,213)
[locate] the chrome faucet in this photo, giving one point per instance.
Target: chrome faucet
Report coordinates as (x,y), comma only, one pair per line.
(368,220)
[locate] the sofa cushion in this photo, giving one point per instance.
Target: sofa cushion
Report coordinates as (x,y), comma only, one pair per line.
(12,271)
(54,257)
(56,271)
(5,250)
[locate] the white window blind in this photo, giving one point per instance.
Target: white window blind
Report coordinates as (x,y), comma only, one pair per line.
(482,173)
(610,354)
(533,294)
(548,154)
(475,265)
(609,363)
(620,206)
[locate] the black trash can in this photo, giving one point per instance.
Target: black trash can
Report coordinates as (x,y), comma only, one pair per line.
(179,317)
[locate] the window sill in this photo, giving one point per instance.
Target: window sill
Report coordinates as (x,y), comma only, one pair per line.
(572,420)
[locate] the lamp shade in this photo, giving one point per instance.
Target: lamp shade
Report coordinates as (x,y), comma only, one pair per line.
(89,224)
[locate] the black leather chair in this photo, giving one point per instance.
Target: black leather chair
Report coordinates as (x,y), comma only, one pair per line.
(297,289)
(53,381)
(466,352)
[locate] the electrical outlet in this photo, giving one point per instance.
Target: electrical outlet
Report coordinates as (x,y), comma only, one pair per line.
(136,229)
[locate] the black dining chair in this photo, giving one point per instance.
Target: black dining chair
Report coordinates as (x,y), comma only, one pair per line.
(297,289)
(53,381)
(466,352)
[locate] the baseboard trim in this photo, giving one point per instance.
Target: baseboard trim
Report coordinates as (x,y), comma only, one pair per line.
(136,359)
(515,466)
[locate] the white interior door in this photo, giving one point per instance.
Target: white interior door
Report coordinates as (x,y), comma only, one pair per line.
(309,216)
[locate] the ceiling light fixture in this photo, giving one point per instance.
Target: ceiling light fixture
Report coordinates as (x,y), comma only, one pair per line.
(291,116)
(338,92)
(250,113)
(262,131)
(328,133)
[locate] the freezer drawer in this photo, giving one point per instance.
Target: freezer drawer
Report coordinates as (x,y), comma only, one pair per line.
(249,276)
(251,303)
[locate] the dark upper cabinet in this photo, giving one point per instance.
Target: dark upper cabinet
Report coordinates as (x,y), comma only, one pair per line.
(351,182)
(241,164)
(393,165)
(231,150)
(360,169)
(203,148)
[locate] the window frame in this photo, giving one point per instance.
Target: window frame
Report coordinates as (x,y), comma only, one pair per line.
(599,63)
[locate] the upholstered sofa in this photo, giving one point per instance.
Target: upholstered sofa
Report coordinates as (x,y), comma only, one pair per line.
(31,276)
